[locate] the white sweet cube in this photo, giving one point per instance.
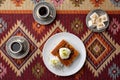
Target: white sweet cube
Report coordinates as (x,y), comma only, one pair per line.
(90,23)
(100,26)
(104,17)
(99,20)
(94,16)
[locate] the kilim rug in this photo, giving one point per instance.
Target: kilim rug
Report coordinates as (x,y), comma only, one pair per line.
(103,49)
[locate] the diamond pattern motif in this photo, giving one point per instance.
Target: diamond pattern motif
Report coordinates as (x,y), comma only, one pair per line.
(20,62)
(18,65)
(18,3)
(101,49)
(98,49)
(97,3)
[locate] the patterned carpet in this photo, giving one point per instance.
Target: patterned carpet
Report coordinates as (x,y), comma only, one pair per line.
(103,49)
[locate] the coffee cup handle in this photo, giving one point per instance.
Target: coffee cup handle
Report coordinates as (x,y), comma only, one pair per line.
(51,15)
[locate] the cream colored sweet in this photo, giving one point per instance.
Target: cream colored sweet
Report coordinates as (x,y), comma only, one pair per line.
(99,20)
(100,26)
(90,23)
(94,16)
(64,53)
(104,18)
(55,62)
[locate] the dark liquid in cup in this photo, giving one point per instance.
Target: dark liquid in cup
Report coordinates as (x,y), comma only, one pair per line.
(43,11)
(15,47)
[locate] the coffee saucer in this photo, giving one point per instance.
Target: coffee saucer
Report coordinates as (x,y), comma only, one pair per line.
(38,15)
(17,47)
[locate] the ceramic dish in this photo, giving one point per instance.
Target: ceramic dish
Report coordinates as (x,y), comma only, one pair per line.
(100,13)
(43,8)
(75,42)
(17,47)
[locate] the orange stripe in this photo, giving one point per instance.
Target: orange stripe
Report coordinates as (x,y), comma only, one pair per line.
(15,11)
(58,11)
(85,11)
(72,11)
(113,12)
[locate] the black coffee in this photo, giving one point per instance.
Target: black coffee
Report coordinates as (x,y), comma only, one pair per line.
(15,47)
(43,11)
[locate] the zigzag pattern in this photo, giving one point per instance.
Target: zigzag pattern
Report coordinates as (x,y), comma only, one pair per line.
(57,24)
(46,36)
(85,35)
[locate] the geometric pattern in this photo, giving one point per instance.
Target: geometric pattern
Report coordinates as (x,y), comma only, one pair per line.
(56,28)
(35,1)
(57,2)
(101,49)
(114,26)
(1,2)
(116,2)
(3,70)
(77,2)
(18,2)
(38,70)
(114,71)
(61,4)
(20,62)
(3,25)
(77,26)
(39,29)
(97,3)
(98,48)
(19,65)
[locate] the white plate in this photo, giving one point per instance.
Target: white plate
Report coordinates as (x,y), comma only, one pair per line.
(52,42)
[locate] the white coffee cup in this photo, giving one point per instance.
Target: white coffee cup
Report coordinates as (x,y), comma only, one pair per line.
(16,46)
(43,11)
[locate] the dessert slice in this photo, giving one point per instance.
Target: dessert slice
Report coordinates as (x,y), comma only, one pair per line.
(69,56)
